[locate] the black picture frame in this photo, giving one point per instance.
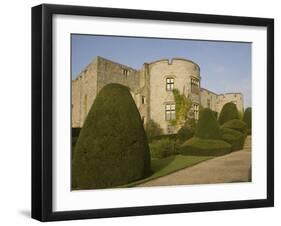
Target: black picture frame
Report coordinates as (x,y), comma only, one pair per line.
(42,107)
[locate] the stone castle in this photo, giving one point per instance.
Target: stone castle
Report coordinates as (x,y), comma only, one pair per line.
(151,87)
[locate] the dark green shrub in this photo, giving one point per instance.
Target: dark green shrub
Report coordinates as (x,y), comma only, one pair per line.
(185,133)
(236,124)
(233,137)
(73,142)
(228,112)
(74,137)
(112,147)
(215,114)
(207,126)
(75,132)
(152,129)
(248,119)
(165,136)
(163,148)
(205,147)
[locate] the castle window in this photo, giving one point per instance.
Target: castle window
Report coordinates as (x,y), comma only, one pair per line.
(195,86)
(170,112)
(169,84)
(143,99)
(196,111)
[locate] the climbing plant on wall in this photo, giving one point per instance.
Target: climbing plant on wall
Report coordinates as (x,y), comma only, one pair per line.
(183,105)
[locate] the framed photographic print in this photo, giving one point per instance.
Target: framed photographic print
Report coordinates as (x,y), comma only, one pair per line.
(145,112)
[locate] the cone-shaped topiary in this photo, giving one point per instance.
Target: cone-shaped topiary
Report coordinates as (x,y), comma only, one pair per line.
(247,118)
(112,147)
(228,112)
(207,126)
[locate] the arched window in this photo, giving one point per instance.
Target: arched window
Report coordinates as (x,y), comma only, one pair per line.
(170,84)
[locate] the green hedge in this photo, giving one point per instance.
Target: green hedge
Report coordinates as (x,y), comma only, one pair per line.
(163,148)
(215,114)
(205,147)
(165,136)
(236,124)
(228,112)
(185,133)
(112,147)
(235,138)
(247,118)
(207,126)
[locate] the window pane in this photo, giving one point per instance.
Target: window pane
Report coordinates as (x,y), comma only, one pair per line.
(168,115)
(173,115)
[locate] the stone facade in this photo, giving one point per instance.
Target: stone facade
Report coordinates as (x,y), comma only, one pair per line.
(151,88)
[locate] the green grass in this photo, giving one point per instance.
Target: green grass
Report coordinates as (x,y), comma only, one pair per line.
(162,167)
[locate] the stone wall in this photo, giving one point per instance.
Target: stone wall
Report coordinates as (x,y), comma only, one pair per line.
(97,74)
(181,71)
(236,98)
(84,90)
(209,99)
(148,88)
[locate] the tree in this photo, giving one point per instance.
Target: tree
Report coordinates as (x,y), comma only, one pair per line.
(112,147)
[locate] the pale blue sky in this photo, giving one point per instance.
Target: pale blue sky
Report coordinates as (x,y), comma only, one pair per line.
(225,66)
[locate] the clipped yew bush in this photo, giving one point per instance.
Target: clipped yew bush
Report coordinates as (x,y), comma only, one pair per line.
(235,138)
(228,112)
(163,148)
(185,133)
(207,140)
(236,124)
(207,126)
(112,147)
(205,147)
(247,118)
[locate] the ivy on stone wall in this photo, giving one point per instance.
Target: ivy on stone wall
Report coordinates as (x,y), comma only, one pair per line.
(183,105)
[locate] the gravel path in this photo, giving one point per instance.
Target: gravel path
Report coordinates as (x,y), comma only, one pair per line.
(233,167)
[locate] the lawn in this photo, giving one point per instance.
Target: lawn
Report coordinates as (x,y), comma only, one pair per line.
(162,167)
